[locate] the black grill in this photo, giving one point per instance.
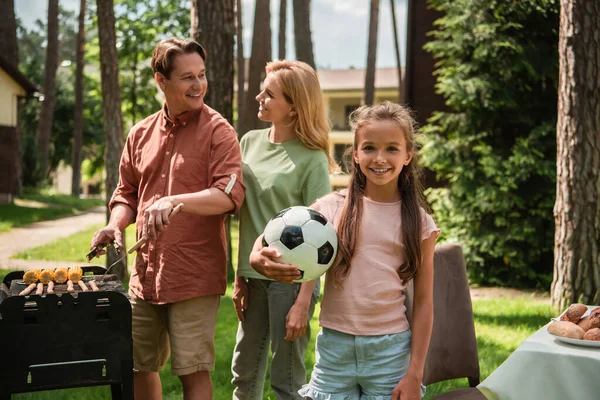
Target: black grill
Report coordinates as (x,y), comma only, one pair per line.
(66,340)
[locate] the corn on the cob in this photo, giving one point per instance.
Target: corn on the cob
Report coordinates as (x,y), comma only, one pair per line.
(31,276)
(60,275)
(74,274)
(46,276)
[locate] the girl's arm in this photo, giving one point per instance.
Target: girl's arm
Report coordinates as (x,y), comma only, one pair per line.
(422,323)
(262,259)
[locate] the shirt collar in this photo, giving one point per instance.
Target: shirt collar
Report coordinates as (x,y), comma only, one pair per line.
(183,119)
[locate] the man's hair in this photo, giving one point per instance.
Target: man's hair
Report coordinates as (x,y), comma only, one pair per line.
(165,52)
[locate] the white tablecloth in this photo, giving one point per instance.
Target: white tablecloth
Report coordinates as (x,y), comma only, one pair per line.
(546,369)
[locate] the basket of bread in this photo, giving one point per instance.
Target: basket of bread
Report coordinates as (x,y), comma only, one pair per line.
(579,325)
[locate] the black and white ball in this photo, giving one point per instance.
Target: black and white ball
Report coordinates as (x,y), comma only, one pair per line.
(304,238)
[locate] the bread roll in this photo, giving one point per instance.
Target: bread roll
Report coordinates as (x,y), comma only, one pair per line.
(566,329)
(592,334)
(574,313)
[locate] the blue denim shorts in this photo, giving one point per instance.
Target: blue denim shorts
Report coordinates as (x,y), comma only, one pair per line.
(350,367)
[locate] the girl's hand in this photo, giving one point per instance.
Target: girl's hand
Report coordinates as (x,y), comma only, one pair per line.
(240,296)
(409,388)
(296,322)
(263,261)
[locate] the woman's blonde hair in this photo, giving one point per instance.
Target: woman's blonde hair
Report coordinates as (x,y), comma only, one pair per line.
(409,186)
(300,86)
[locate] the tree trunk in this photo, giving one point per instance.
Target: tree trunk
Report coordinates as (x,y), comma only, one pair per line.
(9,51)
(111,106)
(241,68)
(261,54)
(369,95)
(213,26)
(78,114)
(282,28)
(401,97)
(577,207)
(302,35)
(46,118)
(9,48)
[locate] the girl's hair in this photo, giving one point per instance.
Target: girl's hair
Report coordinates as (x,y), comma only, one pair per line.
(409,185)
(300,86)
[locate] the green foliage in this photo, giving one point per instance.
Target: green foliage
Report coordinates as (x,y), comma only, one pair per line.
(495,146)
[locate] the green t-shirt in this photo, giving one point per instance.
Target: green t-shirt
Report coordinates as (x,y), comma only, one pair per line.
(277,176)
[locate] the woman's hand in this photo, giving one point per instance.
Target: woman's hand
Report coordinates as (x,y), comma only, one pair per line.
(409,388)
(240,296)
(263,260)
(296,321)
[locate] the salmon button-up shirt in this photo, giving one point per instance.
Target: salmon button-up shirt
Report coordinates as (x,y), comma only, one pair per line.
(196,151)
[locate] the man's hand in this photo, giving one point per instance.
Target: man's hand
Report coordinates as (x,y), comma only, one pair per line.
(409,388)
(263,261)
(296,321)
(105,235)
(156,218)
(240,296)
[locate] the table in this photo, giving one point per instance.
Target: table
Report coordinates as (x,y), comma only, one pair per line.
(546,369)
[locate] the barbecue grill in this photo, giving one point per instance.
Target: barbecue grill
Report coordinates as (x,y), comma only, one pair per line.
(66,340)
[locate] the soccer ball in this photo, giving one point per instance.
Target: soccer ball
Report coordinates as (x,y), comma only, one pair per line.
(304,238)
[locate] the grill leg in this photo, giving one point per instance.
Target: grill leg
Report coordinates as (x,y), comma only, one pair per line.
(116,391)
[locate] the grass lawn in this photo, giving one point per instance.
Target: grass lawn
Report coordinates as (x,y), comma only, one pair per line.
(501,326)
(35,206)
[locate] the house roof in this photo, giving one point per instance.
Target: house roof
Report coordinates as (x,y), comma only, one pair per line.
(21,79)
(354,79)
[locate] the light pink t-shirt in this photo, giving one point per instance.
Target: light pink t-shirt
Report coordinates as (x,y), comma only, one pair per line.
(371,301)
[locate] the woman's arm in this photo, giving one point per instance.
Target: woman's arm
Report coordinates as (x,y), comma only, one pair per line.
(296,320)
(262,259)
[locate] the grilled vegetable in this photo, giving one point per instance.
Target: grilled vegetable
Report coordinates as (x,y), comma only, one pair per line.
(60,275)
(46,276)
(31,276)
(74,274)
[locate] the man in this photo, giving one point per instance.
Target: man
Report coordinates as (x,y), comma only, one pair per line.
(186,154)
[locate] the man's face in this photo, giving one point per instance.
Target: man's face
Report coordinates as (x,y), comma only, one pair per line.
(185,89)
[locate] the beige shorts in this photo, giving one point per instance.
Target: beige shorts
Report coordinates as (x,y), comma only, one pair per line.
(188,325)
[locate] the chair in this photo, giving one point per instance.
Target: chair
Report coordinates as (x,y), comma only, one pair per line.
(453,348)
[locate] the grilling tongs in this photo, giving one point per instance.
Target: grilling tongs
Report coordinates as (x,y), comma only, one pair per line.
(133,248)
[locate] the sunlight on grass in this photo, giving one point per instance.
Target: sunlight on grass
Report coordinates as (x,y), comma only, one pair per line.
(74,248)
(52,206)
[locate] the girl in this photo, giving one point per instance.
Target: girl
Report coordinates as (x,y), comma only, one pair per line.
(284,165)
(364,350)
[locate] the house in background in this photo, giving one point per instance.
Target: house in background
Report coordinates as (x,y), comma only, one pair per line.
(13,87)
(343,92)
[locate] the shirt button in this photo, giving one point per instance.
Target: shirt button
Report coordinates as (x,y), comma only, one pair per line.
(171,135)
(163,175)
(185,123)
(168,152)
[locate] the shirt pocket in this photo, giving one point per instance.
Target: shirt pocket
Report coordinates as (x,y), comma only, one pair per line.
(190,171)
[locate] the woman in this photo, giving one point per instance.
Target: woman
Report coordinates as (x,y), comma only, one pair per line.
(284,165)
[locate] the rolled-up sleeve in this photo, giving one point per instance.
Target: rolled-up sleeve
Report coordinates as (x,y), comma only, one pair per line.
(126,191)
(226,166)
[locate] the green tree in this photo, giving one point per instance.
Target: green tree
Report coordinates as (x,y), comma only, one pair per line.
(495,148)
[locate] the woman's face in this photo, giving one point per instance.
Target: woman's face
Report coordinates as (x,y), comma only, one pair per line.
(273,107)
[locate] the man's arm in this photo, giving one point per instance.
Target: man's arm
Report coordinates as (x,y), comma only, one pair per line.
(121,216)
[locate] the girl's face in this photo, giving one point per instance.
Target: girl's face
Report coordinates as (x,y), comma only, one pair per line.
(381,154)
(273,107)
